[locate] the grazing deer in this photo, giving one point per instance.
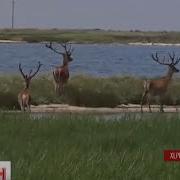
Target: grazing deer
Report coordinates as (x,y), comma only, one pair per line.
(158,87)
(61,73)
(24,97)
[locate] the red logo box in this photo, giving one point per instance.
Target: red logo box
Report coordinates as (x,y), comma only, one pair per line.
(3,173)
(172,155)
(5,170)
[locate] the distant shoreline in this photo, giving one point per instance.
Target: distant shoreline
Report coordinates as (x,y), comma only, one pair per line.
(131,43)
(88,36)
(154,44)
(11,41)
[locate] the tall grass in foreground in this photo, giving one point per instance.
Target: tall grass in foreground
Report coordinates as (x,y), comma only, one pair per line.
(83,91)
(87,148)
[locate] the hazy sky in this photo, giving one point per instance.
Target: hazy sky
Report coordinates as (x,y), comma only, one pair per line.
(105,14)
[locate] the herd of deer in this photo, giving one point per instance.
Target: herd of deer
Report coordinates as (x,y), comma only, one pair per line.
(156,87)
(60,74)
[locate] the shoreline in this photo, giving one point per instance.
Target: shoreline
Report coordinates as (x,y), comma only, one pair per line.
(154,44)
(130,44)
(130,108)
(12,41)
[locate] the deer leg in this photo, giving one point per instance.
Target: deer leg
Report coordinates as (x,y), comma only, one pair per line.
(148,101)
(161,108)
(60,89)
(23,108)
(142,100)
(20,103)
(29,108)
(56,88)
(161,104)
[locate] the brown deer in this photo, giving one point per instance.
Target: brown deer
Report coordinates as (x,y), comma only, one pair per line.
(61,73)
(158,87)
(24,97)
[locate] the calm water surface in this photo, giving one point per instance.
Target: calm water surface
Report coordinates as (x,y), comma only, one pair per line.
(91,59)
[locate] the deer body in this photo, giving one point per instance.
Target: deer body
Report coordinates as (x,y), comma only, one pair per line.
(61,74)
(24,97)
(158,87)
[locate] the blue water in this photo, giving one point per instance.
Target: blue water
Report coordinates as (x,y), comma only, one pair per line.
(91,59)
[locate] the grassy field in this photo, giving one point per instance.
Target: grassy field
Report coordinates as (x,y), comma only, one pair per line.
(83,91)
(86,148)
(89,36)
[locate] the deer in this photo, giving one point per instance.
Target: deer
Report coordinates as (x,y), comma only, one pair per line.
(158,87)
(24,97)
(61,73)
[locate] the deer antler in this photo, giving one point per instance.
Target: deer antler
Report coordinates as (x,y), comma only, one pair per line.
(174,60)
(30,72)
(177,61)
(31,76)
(172,57)
(69,49)
(50,46)
(21,71)
(156,58)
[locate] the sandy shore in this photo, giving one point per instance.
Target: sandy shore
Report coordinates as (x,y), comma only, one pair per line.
(153,44)
(63,108)
(133,43)
(10,41)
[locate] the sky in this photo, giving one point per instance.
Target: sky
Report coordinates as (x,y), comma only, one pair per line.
(155,15)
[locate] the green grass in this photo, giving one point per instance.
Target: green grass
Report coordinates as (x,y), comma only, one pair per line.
(83,91)
(88,36)
(82,147)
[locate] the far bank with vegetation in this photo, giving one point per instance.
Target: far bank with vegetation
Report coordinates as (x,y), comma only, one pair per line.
(89,36)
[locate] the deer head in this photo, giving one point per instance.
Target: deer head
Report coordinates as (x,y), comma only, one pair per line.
(28,77)
(172,62)
(67,54)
